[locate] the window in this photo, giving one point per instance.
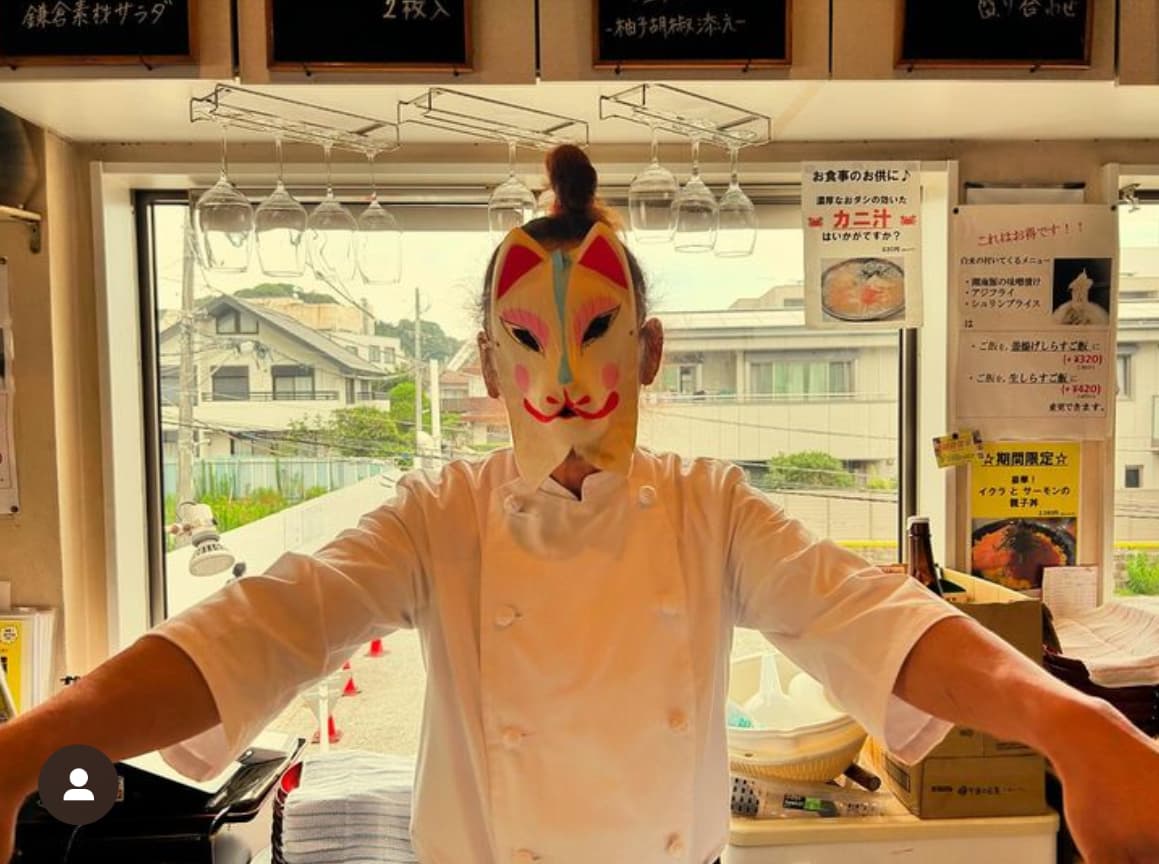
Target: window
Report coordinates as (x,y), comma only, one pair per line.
(1123,375)
(293,382)
(743,380)
(231,384)
(1133,477)
(231,322)
(170,385)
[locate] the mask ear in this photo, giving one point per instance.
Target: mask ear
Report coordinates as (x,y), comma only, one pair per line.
(601,252)
(518,256)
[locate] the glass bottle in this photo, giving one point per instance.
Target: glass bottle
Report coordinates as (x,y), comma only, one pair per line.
(920,561)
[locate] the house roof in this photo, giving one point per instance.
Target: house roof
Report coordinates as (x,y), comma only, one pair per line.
(347,362)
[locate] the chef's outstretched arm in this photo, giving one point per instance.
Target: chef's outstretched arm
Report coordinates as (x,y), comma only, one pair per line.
(960,671)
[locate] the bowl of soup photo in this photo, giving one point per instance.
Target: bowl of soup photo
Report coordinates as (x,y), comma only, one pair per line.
(863,289)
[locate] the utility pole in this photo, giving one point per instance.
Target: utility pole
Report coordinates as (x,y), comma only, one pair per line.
(418,361)
(436,408)
(186,379)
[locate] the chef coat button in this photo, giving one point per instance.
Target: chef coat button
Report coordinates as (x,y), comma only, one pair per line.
(647,496)
(512,737)
(670,605)
(678,721)
(513,505)
(524,856)
(676,846)
(506,616)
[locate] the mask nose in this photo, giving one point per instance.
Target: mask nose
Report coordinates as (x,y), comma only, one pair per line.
(564,375)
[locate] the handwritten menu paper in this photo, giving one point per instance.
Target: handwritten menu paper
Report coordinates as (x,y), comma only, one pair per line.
(87,30)
(996,33)
(370,34)
(1034,288)
(862,228)
(1070,591)
(9,492)
(691,32)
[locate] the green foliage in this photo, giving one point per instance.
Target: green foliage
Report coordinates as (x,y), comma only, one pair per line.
(267,290)
(435,343)
(810,469)
(361,430)
(1143,574)
(878,483)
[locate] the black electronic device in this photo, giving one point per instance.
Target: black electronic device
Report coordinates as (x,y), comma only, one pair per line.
(160,820)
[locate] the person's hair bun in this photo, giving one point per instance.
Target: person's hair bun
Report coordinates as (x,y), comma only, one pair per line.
(573,180)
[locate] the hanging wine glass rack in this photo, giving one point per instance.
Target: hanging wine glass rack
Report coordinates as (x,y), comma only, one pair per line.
(292,120)
(688,115)
(491,119)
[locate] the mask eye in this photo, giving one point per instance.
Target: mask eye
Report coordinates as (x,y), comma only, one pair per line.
(599,326)
(525,337)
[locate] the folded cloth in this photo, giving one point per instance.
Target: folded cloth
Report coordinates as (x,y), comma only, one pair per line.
(1117,642)
(349,806)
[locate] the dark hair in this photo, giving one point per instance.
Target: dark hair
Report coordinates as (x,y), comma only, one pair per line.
(576,209)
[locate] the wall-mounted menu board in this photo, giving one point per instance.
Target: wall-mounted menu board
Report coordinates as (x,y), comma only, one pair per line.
(153,32)
(999,33)
(370,34)
(683,33)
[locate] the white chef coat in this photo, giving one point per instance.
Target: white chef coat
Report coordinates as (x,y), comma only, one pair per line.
(577,650)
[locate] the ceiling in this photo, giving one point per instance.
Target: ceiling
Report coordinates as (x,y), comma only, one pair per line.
(120,111)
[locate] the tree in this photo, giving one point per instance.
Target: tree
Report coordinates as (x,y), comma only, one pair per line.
(362,430)
(436,343)
(268,290)
(810,469)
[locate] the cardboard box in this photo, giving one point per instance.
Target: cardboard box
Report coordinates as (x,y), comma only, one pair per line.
(971,773)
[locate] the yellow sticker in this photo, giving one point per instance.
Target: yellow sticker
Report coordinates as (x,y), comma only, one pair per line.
(960,448)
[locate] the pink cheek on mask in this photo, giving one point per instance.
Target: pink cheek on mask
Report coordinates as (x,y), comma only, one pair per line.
(611,375)
(522,378)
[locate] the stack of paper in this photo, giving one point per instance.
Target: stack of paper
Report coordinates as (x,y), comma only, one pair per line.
(350,806)
(26,639)
(1118,643)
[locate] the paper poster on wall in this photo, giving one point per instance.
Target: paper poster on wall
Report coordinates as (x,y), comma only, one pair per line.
(9,493)
(1024,506)
(862,224)
(1035,294)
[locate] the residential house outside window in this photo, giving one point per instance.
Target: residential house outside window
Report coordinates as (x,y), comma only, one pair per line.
(1123,374)
(293,382)
(170,385)
(801,379)
(231,384)
(231,322)
(375,354)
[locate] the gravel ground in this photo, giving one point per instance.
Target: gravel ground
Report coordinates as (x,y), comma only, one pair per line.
(385,717)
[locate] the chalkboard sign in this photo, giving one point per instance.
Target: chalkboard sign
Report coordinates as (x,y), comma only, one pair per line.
(999,33)
(680,33)
(370,34)
(152,32)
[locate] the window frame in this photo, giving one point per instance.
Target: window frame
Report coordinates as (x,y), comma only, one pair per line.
(144,200)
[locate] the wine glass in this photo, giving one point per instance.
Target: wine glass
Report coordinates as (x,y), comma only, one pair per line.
(512,204)
(379,240)
(280,229)
(695,211)
(650,198)
(330,233)
(223,223)
(736,234)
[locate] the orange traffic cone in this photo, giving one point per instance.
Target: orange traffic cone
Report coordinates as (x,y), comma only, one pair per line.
(334,733)
(376,650)
(351,689)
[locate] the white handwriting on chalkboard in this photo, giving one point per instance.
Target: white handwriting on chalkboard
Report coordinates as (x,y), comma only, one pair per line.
(990,10)
(709,24)
(415,10)
(82,13)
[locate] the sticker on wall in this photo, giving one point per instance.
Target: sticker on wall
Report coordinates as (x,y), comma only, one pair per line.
(1024,505)
(9,493)
(862,227)
(959,448)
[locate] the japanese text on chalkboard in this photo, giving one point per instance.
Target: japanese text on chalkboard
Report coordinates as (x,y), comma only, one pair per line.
(709,24)
(993,10)
(82,13)
(415,10)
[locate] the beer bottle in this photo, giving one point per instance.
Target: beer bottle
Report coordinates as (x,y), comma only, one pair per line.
(920,562)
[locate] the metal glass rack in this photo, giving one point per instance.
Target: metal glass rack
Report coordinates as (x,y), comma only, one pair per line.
(491,120)
(665,108)
(292,120)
